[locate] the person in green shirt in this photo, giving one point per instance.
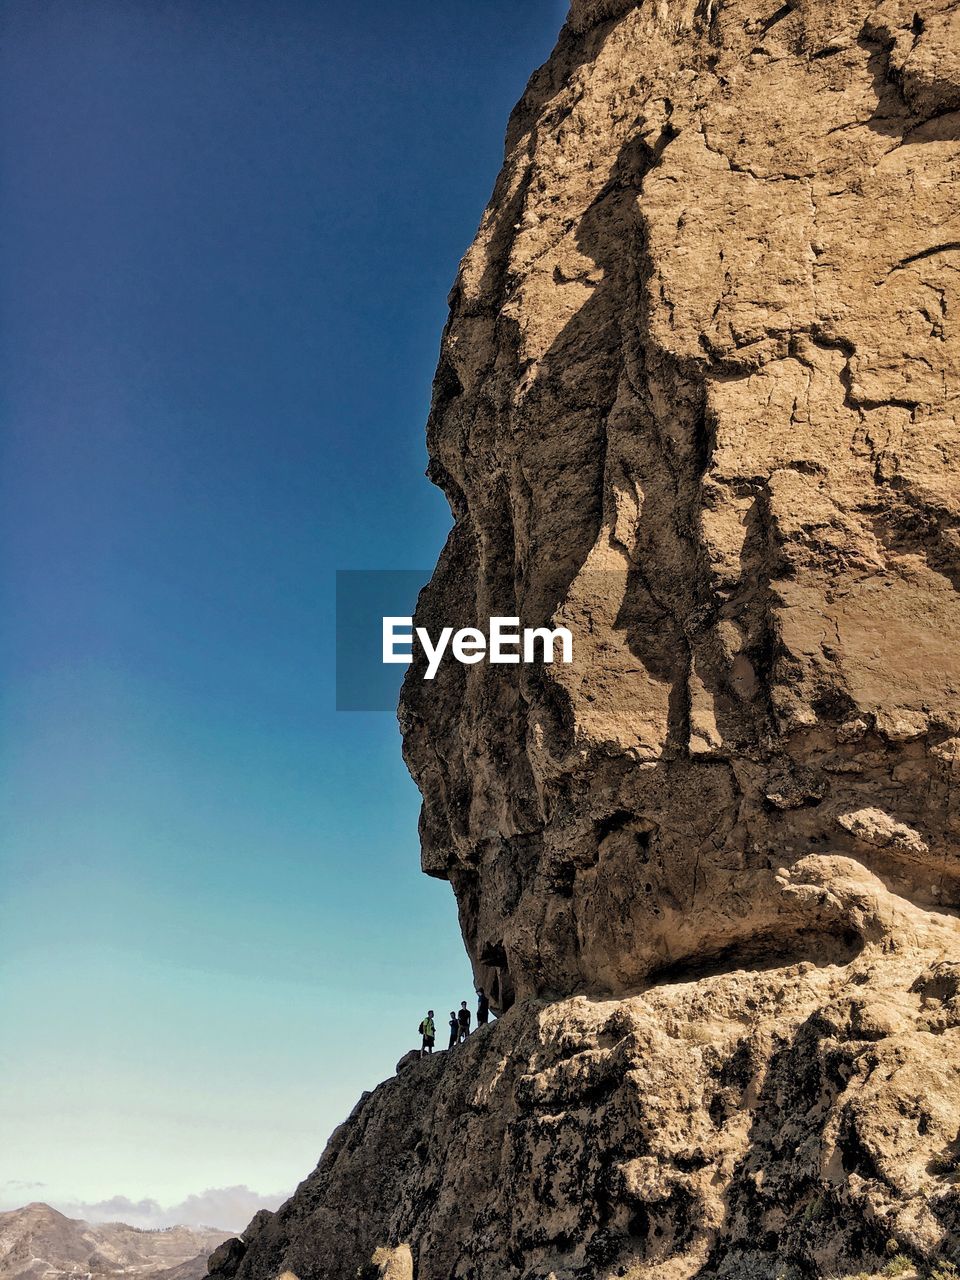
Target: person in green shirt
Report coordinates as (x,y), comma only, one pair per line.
(429,1031)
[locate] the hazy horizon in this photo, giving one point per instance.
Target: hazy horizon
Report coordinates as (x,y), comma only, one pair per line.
(231,1208)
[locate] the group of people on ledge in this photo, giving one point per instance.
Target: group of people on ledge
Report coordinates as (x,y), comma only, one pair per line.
(459,1024)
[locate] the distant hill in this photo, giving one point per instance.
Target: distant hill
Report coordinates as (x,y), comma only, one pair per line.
(38,1243)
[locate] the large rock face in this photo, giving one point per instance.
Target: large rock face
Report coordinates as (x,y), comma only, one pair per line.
(697,401)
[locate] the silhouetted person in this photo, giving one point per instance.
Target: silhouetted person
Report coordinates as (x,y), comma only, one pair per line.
(463,1020)
(454,1030)
(429,1031)
(483,1008)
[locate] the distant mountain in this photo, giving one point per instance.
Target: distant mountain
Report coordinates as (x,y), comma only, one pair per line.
(38,1243)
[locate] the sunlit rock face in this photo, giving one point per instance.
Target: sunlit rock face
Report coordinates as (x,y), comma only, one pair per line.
(697,402)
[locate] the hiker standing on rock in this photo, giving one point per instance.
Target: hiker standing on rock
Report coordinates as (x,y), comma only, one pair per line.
(483,1008)
(454,1029)
(463,1020)
(429,1031)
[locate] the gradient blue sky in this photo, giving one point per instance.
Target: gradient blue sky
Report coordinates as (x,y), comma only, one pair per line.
(227,231)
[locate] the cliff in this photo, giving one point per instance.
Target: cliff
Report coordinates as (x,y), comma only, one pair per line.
(739,1125)
(697,402)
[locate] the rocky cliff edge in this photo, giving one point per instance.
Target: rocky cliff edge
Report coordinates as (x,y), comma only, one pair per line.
(697,401)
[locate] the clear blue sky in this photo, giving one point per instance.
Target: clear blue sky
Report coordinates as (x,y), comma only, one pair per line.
(227,231)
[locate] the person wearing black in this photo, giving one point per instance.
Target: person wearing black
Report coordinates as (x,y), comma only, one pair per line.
(483,1008)
(454,1030)
(463,1020)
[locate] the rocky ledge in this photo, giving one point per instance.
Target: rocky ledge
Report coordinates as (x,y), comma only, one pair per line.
(790,1120)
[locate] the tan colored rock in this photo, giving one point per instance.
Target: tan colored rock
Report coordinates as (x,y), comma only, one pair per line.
(394,1264)
(875,827)
(697,401)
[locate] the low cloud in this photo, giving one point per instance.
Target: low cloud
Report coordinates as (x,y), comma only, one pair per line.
(227,1208)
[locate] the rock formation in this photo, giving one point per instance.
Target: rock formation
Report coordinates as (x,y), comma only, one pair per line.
(39,1243)
(696,401)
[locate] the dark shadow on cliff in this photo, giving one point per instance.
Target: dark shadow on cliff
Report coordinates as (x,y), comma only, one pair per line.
(900,113)
(762,952)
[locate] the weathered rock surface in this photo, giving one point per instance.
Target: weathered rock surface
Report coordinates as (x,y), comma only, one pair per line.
(738,1125)
(697,401)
